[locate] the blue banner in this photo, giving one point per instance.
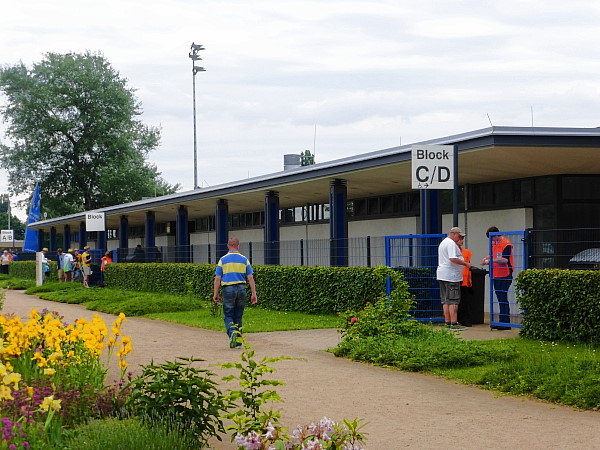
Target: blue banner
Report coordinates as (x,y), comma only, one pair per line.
(31,236)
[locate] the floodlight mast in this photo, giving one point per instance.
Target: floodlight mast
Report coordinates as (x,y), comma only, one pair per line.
(194,56)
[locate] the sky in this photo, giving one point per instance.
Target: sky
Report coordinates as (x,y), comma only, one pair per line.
(338,78)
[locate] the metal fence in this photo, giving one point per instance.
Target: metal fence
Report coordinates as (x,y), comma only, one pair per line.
(416,256)
(504,309)
(577,248)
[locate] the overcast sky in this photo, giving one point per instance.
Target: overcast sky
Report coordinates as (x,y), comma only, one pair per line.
(366,75)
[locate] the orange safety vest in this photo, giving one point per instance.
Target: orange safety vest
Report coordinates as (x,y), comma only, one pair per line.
(502,270)
(466,272)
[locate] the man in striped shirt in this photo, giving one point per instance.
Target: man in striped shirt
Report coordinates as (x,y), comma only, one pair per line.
(231,274)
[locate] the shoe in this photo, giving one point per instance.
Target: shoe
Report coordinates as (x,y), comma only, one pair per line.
(457,327)
(238,347)
(501,328)
(233,341)
(465,324)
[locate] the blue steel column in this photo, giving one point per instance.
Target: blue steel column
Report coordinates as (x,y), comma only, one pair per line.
(181,235)
(149,230)
(53,239)
(82,235)
(338,224)
(40,240)
(124,232)
(66,237)
(272,228)
(430,212)
(221,228)
(101,242)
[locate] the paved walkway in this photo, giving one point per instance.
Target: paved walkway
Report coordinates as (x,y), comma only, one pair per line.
(403,410)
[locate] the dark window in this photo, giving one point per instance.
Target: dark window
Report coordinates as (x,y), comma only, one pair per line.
(581,187)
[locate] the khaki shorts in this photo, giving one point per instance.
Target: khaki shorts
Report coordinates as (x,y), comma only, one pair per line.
(87,270)
(449,292)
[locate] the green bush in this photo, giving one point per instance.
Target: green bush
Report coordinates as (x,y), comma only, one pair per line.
(26,270)
(181,393)
(280,288)
(560,305)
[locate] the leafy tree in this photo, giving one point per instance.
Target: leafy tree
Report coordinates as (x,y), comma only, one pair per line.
(16,225)
(74,128)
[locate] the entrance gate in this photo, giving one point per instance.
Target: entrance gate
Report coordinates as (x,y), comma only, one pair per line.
(504,310)
(415,256)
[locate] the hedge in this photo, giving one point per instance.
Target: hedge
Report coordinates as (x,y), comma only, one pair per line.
(284,288)
(560,305)
(26,270)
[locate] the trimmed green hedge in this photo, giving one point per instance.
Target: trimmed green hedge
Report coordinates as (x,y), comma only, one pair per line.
(284,288)
(26,270)
(560,305)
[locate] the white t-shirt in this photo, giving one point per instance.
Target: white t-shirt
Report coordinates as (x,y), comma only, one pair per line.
(447,270)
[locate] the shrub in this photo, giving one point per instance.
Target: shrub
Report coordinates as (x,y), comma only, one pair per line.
(181,393)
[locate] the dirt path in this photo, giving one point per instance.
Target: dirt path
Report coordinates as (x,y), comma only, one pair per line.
(404,410)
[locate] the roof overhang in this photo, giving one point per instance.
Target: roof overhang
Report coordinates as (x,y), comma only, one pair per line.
(490,154)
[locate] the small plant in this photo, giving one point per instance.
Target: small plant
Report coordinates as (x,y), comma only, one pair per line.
(249,401)
(181,393)
(385,316)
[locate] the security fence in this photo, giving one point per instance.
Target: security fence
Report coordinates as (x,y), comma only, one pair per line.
(577,248)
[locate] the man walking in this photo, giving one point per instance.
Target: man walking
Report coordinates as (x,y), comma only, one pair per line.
(231,274)
(450,275)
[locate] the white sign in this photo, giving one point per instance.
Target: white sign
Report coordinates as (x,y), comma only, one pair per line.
(433,167)
(95,221)
(6,236)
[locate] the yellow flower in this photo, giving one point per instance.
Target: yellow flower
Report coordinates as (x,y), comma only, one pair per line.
(49,371)
(123,364)
(50,403)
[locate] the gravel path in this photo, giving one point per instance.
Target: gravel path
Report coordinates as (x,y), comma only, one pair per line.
(403,410)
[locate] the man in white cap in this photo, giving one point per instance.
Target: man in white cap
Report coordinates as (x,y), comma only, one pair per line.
(450,275)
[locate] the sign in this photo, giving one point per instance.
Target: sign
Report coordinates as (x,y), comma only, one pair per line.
(95,221)
(6,236)
(433,167)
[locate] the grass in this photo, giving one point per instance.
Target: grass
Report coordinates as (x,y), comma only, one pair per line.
(563,373)
(256,320)
(186,310)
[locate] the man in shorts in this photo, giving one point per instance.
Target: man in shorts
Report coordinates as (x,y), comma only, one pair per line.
(450,275)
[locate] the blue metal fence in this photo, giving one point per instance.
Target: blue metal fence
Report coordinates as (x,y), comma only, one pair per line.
(504,310)
(415,255)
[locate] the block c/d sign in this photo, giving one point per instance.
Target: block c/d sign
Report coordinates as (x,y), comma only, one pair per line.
(432,166)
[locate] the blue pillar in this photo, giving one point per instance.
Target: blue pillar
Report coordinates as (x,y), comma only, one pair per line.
(221,228)
(181,235)
(101,243)
(82,235)
(66,237)
(149,230)
(124,232)
(338,224)
(40,240)
(431,220)
(52,239)
(272,228)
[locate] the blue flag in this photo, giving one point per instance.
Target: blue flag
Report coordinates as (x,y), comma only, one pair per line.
(31,236)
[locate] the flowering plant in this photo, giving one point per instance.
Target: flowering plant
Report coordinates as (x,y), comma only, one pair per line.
(324,435)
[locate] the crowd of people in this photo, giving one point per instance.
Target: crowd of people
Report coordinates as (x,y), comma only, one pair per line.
(73,266)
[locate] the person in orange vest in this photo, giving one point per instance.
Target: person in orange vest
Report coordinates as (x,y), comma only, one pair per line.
(502,266)
(466,287)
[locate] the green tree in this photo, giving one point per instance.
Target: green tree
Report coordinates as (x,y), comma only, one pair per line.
(74,128)
(16,225)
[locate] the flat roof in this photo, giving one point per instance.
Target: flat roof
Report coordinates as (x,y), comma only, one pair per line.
(488,154)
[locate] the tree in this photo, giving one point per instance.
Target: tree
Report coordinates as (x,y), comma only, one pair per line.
(16,225)
(73,125)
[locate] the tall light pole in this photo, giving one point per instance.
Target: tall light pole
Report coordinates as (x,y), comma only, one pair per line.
(194,49)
